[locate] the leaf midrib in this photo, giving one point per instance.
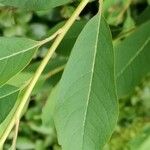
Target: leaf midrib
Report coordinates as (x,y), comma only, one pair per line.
(91,80)
(20,52)
(10,93)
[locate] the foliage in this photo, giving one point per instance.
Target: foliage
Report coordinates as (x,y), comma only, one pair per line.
(67,96)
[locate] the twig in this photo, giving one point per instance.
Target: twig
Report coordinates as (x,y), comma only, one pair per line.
(15,134)
(55,71)
(51,37)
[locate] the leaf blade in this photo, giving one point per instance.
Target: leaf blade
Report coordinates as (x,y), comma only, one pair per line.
(15,53)
(79,99)
(132,59)
(8,97)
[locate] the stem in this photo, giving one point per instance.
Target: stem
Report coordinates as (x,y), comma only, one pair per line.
(51,37)
(124,9)
(100,6)
(55,71)
(39,71)
(123,34)
(16,134)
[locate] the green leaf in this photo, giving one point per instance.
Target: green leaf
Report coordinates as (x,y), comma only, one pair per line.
(8,97)
(86,111)
(133,59)
(15,54)
(9,94)
(34,5)
(6,122)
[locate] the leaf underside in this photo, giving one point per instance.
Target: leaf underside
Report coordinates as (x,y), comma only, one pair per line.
(4,125)
(8,97)
(86,110)
(15,54)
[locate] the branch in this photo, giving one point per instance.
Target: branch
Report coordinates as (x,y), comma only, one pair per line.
(13,147)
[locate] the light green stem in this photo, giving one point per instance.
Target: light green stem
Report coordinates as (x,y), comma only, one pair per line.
(100,6)
(15,135)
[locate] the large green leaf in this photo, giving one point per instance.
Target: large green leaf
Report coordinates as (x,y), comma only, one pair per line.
(86,110)
(133,59)
(34,4)
(15,54)
(21,80)
(8,97)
